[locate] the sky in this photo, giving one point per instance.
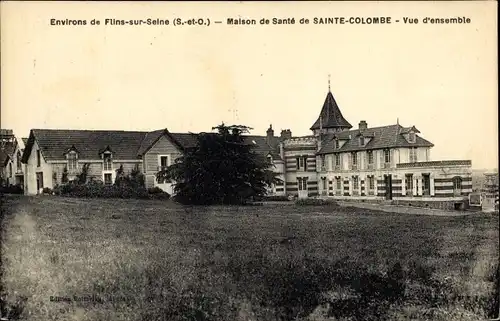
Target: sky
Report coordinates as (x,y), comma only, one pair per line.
(440,78)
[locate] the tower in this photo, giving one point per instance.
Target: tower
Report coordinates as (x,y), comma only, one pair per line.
(330,119)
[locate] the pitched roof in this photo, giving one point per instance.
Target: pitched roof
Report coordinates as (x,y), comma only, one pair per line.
(381,137)
(6,151)
(330,115)
(263,147)
(55,143)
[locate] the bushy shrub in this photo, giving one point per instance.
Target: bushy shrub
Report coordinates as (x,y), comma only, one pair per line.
(96,189)
(64,176)
(155,190)
(316,202)
(11,189)
(47,191)
(276,198)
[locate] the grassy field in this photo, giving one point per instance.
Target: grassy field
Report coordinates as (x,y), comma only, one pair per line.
(76,259)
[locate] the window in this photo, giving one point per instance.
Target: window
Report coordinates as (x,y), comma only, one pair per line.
(323,162)
(361,141)
(108,179)
(72,161)
(302,163)
(413,155)
(269,159)
(339,183)
(107,162)
(38,158)
(371,182)
(19,163)
(302,182)
(355,183)
(457,186)
(10,169)
(354,159)
(164,162)
(387,156)
(426,184)
(370,157)
(323,181)
(409,184)
(337,159)
(411,137)
(337,144)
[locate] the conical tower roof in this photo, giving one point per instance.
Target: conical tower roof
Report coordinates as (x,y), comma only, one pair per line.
(330,115)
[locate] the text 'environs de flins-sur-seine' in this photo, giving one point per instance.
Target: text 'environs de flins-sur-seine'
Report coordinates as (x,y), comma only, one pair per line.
(239,21)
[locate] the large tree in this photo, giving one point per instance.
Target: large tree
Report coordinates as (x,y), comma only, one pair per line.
(222,168)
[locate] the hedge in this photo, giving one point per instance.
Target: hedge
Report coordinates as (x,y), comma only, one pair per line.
(99,190)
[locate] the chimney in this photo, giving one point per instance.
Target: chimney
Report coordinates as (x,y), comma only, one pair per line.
(363,125)
(270,134)
(286,134)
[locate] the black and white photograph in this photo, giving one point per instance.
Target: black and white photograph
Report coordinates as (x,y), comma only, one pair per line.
(249,161)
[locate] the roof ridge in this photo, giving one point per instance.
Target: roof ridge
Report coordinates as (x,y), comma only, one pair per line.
(91,130)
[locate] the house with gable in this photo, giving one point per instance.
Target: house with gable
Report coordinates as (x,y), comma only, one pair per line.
(52,153)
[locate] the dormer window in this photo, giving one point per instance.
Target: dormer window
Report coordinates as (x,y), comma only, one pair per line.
(72,158)
(361,141)
(411,137)
(107,161)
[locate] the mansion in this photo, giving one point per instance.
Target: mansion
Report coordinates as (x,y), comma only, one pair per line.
(387,163)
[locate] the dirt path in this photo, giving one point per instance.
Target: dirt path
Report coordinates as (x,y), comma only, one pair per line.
(28,261)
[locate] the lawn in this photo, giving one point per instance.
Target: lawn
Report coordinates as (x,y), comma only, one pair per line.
(87,259)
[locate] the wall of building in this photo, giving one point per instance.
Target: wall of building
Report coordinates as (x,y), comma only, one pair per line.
(297,147)
(95,169)
(441,175)
(32,169)
(279,188)
(151,161)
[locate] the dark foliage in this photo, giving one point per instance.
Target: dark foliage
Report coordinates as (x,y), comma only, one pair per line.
(47,190)
(11,189)
(126,186)
(316,201)
(272,198)
(222,168)
(81,178)
(64,177)
(155,190)
(96,189)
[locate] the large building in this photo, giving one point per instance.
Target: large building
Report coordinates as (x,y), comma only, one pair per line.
(391,163)
(52,154)
(385,163)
